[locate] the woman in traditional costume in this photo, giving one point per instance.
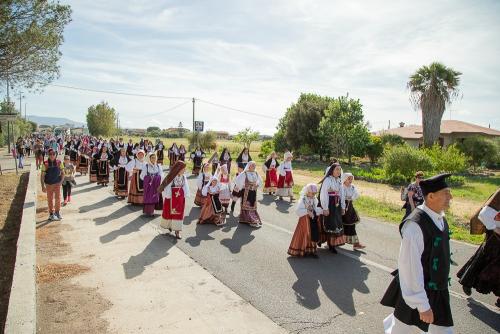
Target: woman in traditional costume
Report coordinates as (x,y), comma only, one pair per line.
(197,157)
(249,181)
(83,159)
(94,166)
(182,152)
(151,175)
(225,183)
(175,189)
(212,211)
(243,159)
(130,148)
(121,175)
(201,182)
(351,218)
(103,160)
(270,169)
(173,154)
(225,159)
(285,181)
(482,271)
(159,152)
(332,201)
(306,235)
(134,168)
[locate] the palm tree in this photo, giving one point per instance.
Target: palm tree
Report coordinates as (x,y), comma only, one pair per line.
(432,88)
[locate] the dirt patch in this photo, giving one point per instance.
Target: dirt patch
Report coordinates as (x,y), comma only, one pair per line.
(12,193)
(53,272)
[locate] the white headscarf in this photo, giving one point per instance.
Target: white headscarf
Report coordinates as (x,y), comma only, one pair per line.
(310,187)
(345,176)
(288,155)
(248,165)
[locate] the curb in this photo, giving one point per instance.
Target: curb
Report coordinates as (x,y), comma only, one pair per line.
(21,314)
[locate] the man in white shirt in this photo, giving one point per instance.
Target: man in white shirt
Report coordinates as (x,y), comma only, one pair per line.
(419,291)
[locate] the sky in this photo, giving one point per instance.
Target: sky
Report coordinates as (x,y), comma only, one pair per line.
(258,56)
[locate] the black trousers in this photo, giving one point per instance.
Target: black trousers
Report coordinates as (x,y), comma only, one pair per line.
(66,189)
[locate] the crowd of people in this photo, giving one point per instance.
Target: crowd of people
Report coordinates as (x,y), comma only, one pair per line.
(326,212)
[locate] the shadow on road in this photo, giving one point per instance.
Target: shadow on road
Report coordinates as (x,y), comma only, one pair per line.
(337,275)
(202,234)
(241,237)
(121,212)
(154,251)
(99,205)
(284,205)
(133,226)
(267,199)
(80,190)
(488,317)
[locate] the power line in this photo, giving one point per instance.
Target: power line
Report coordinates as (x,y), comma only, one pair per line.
(121,93)
(238,110)
(169,109)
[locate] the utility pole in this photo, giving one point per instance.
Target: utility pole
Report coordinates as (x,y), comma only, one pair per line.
(20,104)
(389,125)
(193,115)
(25,118)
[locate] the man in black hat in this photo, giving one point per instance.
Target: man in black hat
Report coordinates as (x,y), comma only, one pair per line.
(419,291)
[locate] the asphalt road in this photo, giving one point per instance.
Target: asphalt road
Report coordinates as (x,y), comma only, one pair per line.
(333,294)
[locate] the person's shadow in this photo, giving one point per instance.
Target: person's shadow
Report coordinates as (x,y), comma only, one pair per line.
(133,226)
(99,205)
(283,206)
(241,236)
(156,250)
(487,316)
(267,199)
(202,234)
(121,212)
(337,275)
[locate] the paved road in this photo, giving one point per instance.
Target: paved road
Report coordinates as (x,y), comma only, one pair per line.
(332,294)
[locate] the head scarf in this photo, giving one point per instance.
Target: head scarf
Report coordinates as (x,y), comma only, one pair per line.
(311,187)
(247,167)
(330,171)
(287,155)
(345,176)
(174,170)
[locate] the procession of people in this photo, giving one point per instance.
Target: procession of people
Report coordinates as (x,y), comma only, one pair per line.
(326,213)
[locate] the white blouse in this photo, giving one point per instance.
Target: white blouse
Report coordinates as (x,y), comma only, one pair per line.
(305,204)
(239,182)
(208,188)
(151,170)
(202,178)
(351,193)
(134,164)
(178,181)
(331,184)
(286,166)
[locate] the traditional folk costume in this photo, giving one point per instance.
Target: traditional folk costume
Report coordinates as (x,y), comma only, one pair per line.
(214,160)
(136,191)
(285,180)
(350,218)
(130,149)
(225,159)
(306,234)
(182,153)
(421,281)
(72,151)
(212,211)
(225,183)
(242,160)
(173,154)
(84,153)
(197,157)
(270,168)
(159,152)
(121,175)
(249,182)
(201,182)
(103,159)
(151,175)
(332,198)
(482,271)
(175,190)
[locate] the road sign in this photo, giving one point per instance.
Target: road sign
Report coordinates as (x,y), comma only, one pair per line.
(198,126)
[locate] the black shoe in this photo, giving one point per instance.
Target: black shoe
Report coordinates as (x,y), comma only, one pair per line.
(333,250)
(467,290)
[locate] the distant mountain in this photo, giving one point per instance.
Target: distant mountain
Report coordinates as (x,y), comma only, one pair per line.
(56,121)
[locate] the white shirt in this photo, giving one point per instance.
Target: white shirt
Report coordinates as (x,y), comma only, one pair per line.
(487,217)
(286,166)
(177,182)
(134,164)
(411,273)
(151,169)
(305,203)
(202,178)
(331,184)
(209,189)
(351,193)
(252,177)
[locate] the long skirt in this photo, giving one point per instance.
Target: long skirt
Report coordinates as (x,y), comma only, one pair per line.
(349,220)
(271,181)
(225,195)
(305,237)
(197,165)
(83,165)
(160,157)
(152,199)
(285,185)
(332,231)
(482,271)
(121,182)
(103,172)
(211,212)
(199,199)
(93,170)
(136,191)
(173,211)
(248,212)
(73,157)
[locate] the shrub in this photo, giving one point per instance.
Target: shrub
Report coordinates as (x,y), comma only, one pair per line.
(480,151)
(266,148)
(374,148)
(206,141)
(456,180)
(405,161)
(392,140)
(449,159)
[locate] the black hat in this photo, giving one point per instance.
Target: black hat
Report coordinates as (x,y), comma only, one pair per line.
(434,184)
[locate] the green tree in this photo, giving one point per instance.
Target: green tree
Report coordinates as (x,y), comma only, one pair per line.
(266,148)
(405,161)
(152,128)
(374,148)
(344,129)
(246,137)
(31,33)
(7,107)
(432,88)
(391,139)
(480,151)
(101,119)
(447,159)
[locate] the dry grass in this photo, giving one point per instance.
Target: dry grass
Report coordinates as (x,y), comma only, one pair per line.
(54,272)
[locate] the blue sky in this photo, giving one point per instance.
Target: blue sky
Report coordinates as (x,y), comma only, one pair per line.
(258,56)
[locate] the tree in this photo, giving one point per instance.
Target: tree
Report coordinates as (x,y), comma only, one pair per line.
(480,151)
(246,137)
(405,161)
(374,148)
(101,119)
(343,128)
(392,139)
(31,32)
(432,88)
(206,141)
(153,128)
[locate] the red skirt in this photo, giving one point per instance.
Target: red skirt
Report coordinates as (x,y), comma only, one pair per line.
(302,243)
(173,208)
(285,181)
(271,181)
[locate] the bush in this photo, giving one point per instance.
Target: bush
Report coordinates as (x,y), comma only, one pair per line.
(405,161)
(374,148)
(456,180)
(392,140)
(266,148)
(447,160)
(480,151)
(206,141)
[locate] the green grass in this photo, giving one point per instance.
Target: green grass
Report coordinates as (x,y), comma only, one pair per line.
(477,188)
